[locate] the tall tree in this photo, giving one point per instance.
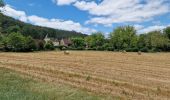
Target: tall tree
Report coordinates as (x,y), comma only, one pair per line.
(13,29)
(157,41)
(124,37)
(78,42)
(30,44)
(16,41)
(167,32)
(95,40)
(141,44)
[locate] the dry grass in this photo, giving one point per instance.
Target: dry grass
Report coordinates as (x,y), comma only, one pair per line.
(128,75)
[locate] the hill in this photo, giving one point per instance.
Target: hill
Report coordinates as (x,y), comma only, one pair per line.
(8,25)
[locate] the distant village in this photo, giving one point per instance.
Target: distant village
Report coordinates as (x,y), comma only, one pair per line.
(62,42)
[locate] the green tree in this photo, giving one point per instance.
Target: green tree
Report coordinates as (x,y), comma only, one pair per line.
(157,41)
(40,44)
(141,44)
(1,38)
(13,29)
(30,44)
(78,42)
(16,42)
(95,40)
(49,45)
(124,37)
(167,32)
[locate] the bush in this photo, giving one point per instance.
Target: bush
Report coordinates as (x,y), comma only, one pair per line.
(49,46)
(154,50)
(110,49)
(30,44)
(100,48)
(40,44)
(134,49)
(144,49)
(61,47)
(78,48)
(18,43)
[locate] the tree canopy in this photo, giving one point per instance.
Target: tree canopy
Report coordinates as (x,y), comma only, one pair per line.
(95,40)
(9,25)
(167,32)
(124,37)
(17,42)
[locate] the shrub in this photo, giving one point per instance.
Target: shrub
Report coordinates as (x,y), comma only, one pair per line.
(110,49)
(152,50)
(18,43)
(40,44)
(30,44)
(49,46)
(134,49)
(144,49)
(100,48)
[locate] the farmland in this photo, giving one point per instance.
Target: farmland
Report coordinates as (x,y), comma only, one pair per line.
(116,74)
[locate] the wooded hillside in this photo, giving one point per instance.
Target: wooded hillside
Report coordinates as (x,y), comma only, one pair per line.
(9,25)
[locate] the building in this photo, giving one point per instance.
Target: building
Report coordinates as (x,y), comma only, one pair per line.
(65,42)
(56,42)
(46,39)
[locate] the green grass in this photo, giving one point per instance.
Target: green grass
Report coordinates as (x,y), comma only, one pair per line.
(15,87)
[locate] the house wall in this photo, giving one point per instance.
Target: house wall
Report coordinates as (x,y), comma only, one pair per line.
(47,39)
(56,43)
(62,43)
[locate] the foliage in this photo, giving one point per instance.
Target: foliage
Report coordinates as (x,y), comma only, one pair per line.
(156,41)
(167,32)
(18,43)
(78,42)
(9,25)
(96,40)
(49,45)
(15,42)
(15,28)
(124,37)
(40,44)
(30,44)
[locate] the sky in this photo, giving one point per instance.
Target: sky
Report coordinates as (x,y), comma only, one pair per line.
(89,16)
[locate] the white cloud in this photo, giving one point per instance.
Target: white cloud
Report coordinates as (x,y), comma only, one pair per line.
(52,23)
(119,11)
(151,28)
(141,29)
(138,27)
(9,11)
(127,11)
(63,2)
(59,24)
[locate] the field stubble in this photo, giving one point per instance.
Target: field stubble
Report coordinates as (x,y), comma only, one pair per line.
(129,75)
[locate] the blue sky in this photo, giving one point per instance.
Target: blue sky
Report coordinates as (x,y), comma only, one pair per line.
(90,16)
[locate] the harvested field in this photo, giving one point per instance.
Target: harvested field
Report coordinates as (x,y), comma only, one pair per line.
(124,75)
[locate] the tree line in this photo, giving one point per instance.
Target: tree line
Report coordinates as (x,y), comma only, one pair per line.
(16,42)
(125,38)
